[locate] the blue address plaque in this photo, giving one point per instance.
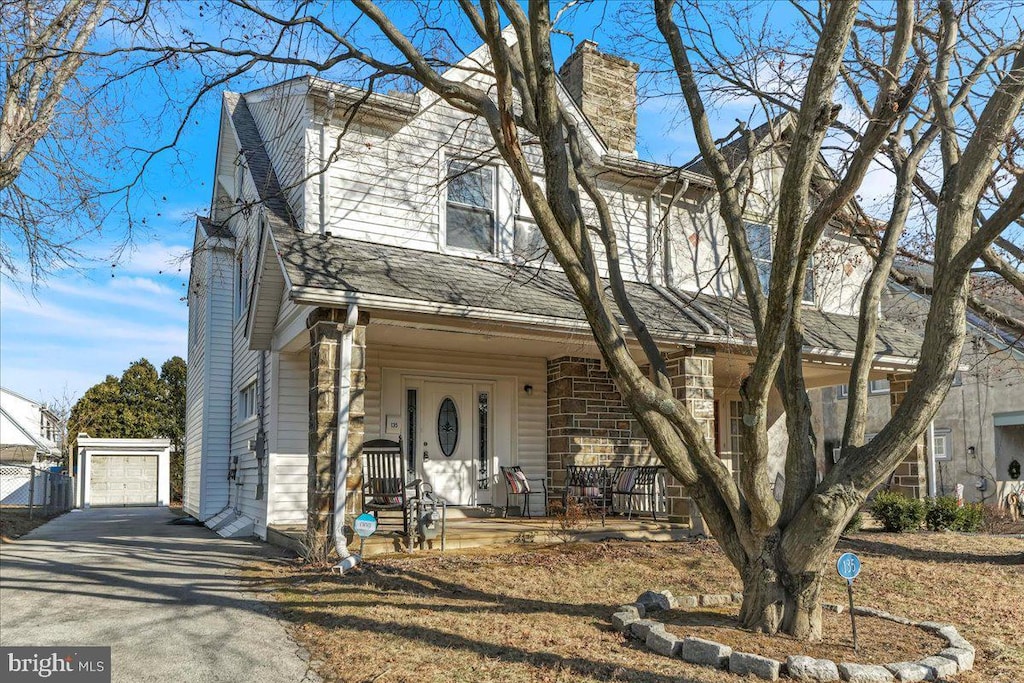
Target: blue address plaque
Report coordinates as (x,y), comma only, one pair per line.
(848,566)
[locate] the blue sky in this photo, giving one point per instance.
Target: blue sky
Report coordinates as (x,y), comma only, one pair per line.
(81,324)
(78,325)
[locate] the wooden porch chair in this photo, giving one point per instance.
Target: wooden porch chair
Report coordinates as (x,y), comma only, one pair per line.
(643,481)
(388,483)
(587,484)
(519,485)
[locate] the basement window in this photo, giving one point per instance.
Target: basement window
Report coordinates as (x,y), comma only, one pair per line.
(469,210)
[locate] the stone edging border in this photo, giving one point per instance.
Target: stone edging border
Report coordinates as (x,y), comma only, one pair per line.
(633,620)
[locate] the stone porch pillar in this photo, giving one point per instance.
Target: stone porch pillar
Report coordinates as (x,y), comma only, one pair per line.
(910,476)
(326,327)
(691,372)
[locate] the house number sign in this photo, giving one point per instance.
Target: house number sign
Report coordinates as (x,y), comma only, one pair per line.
(848,567)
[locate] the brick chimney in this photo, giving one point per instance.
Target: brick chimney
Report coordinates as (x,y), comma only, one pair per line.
(604,87)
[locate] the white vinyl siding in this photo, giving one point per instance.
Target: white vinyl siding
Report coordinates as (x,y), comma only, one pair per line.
(288,476)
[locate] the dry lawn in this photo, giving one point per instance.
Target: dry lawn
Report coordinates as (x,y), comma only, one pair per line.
(541,613)
(14,522)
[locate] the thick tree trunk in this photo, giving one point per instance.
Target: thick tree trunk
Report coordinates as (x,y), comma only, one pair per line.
(779,601)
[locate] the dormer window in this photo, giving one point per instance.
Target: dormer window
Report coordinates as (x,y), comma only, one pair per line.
(759,237)
(469,210)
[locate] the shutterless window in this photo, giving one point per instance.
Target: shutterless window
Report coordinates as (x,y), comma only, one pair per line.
(878,386)
(469,214)
(759,238)
(247,401)
(241,288)
(942,444)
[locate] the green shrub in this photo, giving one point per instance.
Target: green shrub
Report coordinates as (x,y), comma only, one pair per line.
(943,513)
(896,512)
(854,525)
(970,518)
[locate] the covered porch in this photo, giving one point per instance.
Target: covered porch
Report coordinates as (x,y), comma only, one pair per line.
(524,396)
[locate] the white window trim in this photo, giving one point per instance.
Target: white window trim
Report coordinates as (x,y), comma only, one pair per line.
(943,434)
(241,416)
(442,231)
(241,288)
(771,248)
(873,390)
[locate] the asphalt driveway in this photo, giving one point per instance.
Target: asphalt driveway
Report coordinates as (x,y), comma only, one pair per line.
(166,598)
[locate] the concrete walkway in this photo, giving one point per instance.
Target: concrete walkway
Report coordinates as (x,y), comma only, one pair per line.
(166,598)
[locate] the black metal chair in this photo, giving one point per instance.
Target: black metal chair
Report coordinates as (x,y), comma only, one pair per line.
(642,481)
(387,483)
(518,484)
(587,484)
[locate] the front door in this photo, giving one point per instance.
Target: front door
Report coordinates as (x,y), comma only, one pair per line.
(446,419)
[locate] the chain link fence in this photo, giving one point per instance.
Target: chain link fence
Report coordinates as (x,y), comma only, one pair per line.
(40,491)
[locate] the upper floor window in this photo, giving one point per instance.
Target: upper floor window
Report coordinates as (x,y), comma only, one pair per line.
(469,211)
(759,238)
(241,288)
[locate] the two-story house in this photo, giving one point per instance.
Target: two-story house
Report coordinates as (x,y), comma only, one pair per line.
(30,432)
(368,270)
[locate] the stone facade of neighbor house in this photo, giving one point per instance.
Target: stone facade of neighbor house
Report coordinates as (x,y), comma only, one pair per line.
(449,331)
(979,428)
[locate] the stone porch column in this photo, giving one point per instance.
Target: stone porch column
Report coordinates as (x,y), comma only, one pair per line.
(326,327)
(910,477)
(691,372)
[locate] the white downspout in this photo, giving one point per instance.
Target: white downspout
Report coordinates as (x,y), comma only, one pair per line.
(931,459)
(346,559)
(326,166)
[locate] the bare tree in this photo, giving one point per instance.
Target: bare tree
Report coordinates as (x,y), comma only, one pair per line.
(903,84)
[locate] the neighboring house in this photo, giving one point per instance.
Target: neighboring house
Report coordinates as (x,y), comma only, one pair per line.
(414,267)
(979,429)
(29,431)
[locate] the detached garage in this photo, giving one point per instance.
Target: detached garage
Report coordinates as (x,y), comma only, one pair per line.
(124,472)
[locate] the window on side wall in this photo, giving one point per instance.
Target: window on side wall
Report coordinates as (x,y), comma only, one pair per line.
(241,288)
(247,401)
(941,444)
(469,210)
(878,386)
(759,238)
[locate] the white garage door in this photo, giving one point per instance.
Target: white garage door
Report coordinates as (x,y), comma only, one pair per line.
(120,480)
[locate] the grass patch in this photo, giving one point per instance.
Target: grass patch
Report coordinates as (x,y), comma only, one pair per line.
(542,613)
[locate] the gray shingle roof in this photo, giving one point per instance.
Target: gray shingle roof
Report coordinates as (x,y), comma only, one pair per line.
(213,230)
(360,267)
(279,213)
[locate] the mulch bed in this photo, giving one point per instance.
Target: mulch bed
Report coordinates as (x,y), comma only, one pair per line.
(879,641)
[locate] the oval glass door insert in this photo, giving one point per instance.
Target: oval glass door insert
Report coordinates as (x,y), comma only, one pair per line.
(447,427)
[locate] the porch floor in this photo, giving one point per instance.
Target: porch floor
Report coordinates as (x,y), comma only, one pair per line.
(465,531)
